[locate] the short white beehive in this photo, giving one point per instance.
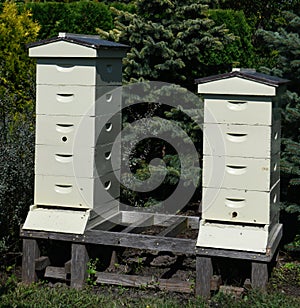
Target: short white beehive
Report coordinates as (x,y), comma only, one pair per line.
(78,117)
(241,152)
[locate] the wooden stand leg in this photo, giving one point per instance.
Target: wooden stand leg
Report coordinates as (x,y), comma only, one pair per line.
(30,253)
(79,262)
(259,275)
(204,272)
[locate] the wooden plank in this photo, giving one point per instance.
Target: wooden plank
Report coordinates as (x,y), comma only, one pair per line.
(274,241)
(162,220)
(79,260)
(68,267)
(41,263)
(55,273)
(234,254)
(259,275)
(139,225)
(179,224)
(204,273)
(139,241)
(30,253)
(104,224)
(141,281)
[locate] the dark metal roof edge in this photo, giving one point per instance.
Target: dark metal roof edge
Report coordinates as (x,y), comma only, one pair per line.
(259,77)
(76,41)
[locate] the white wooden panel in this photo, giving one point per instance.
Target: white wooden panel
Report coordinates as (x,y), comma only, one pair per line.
(62,49)
(75,192)
(241,140)
(241,206)
(236,237)
(240,172)
(239,110)
(236,86)
(78,100)
(56,220)
(88,72)
(77,131)
(79,162)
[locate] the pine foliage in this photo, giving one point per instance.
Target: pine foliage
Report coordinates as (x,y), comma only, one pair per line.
(285,41)
(171,41)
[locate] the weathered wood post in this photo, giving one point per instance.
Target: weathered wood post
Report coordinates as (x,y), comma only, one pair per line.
(30,253)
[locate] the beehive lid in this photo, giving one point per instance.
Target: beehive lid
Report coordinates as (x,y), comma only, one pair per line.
(75,45)
(240,82)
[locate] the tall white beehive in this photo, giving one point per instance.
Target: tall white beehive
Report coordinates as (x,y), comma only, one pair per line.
(78,117)
(241,152)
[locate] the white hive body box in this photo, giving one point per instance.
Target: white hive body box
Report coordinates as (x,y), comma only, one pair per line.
(241,140)
(240,206)
(241,153)
(78,100)
(240,172)
(78,107)
(77,131)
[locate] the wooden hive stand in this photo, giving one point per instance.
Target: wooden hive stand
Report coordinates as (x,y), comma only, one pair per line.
(129,226)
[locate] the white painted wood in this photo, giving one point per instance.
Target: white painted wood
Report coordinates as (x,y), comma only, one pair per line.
(88,72)
(240,110)
(236,86)
(75,192)
(240,172)
(240,206)
(236,237)
(77,132)
(241,140)
(78,100)
(56,220)
(63,49)
(74,161)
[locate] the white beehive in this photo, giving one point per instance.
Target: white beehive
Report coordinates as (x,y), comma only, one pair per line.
(241,152)
(78,118)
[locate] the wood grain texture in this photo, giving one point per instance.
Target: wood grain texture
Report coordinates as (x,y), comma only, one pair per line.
(142,281)
(79,260)
(178,225)
(30,253)
(259,275)
(204,273)
(41,263)
(140,241)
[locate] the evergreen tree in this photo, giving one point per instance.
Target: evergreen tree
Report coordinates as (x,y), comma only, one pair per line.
(171,41)
(285,42)
(175,42)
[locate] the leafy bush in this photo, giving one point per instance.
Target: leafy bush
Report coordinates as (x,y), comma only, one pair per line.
(75,17)
(16,122)
(240,52)
(17,173)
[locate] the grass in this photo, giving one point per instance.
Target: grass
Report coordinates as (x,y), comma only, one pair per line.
(285,280)
(43,296)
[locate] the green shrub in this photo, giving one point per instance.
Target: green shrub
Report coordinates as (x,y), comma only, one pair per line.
(17,93)
(240,51)
(17,173)
(75,17)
